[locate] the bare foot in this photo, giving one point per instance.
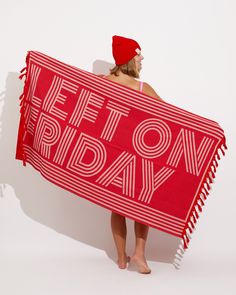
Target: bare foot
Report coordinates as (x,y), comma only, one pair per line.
(140,264)
(122,262)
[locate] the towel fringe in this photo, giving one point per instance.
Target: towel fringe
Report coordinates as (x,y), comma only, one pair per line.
(192,224)
(202,195)
(199,203)
(222,151)
(210,179)
(224,146)
(23,74)
(20,154)
(212,172)
(214,166)
(207,185)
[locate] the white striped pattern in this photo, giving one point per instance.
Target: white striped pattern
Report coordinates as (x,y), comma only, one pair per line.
(31,115)
(194,158)
(110,126)
(54,95)
(36,101)
(125,164)
(34,74)
(82,110)
(129,97)
(46,135)
(64,145)
(113,119)
(205,145)
(150,181)
(113,106)
(32,120)
(96,100)
(103,197)
(164,141)
(75,162)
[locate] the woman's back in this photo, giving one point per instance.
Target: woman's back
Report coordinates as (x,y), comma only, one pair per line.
(134,84)
(129,82)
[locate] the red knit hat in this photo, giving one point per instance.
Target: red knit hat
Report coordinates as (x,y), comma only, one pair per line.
(123,49)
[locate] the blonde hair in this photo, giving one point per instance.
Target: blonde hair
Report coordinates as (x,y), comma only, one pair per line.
(128,69)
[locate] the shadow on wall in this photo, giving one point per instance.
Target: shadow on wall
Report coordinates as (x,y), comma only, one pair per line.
(59,209)
(102,67)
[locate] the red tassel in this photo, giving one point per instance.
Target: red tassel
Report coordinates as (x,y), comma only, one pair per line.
(20,150)
(212,174)
(208,186)
(214,167)
(203,193)
(201,201)
(199,208)
(23,69)
(210,177)
(190,229)
(204,196)
(197,216)
(223,152)
(22,75)
(186,241)
(192,225)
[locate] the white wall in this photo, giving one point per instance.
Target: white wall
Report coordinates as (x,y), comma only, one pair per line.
(189,59)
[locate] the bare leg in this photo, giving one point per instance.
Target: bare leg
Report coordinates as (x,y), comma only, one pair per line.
(141,233)
(119,231)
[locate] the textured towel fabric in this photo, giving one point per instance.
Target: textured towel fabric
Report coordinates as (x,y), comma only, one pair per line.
(145,159)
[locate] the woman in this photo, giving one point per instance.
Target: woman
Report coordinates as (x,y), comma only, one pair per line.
(127,56)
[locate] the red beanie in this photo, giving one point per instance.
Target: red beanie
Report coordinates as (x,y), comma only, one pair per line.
(123,49)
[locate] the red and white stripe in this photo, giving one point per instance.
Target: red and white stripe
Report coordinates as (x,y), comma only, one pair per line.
(64,145)
(124,164)
(104,197)
(82,109)
(54,95)
(164,141)
(194,157)
(150,181)
(34,75)
(76,163)
(117,111)
(128,97)
(46,135)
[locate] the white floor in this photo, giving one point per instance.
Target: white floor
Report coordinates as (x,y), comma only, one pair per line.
(86,273)
(36,260)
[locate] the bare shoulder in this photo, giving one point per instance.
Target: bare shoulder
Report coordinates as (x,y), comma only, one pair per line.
(109,77)
(147,89)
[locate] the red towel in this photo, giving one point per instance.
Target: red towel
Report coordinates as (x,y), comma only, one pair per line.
(145,159)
